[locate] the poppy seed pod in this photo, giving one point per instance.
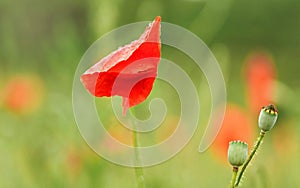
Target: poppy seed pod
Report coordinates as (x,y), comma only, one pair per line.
(237,153)
(267,118)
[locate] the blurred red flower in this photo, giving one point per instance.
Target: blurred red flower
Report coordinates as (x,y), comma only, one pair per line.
(239,124)
(236,126)
(129,71)
(260,80)
(23,94)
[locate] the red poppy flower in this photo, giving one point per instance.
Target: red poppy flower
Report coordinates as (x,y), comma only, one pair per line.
(23,94)
(236,126)
(238,123)
(129,71)
(260,80)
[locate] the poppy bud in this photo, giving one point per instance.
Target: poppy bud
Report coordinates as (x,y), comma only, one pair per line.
(237,153)
(267,118)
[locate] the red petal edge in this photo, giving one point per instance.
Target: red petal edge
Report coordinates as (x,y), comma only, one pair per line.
(129,71)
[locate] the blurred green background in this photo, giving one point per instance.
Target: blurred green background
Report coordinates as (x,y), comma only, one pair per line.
(42,43)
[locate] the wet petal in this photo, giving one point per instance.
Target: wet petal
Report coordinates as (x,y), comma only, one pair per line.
(129,71)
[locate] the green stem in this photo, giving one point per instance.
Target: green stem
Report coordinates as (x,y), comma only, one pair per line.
(257,144)
(234,173)
(139,173)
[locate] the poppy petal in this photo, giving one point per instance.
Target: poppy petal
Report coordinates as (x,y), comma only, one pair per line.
(129,71)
